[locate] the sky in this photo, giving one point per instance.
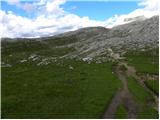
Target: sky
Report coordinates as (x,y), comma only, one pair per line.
(39,18)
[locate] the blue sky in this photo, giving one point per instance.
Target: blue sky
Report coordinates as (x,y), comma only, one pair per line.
(93,9)
(16,10)
(100,10)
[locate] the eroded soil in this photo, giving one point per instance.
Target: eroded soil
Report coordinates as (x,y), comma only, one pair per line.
(123,96)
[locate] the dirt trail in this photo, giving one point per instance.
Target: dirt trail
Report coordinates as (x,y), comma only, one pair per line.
(109,114)
(123,96)
(132,72)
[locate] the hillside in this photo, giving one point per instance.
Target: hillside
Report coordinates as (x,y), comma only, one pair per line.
(92,72)
(95,41)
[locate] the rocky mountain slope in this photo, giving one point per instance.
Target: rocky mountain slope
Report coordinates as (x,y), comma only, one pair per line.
(97,41)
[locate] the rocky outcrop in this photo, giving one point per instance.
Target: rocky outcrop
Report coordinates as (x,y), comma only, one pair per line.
(91,42)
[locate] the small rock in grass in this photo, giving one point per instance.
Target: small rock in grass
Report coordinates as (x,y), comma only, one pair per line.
(70,67)
(22,61)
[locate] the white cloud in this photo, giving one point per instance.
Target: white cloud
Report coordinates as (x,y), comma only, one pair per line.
(53,6)
(28,7)
(25,6)
(52,19)
(151,5)
(150,8)
(17,26)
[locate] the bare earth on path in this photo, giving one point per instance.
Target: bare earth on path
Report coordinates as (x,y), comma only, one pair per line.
(123,96)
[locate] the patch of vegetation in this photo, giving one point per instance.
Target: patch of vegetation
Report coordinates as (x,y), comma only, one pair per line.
(56,91)
(22,46)
(13,52)
(144,61)
(148,113)
(153,85)
(55,52)
(121,112)
(47,47)
(143,99)
(140,94)
(61,41)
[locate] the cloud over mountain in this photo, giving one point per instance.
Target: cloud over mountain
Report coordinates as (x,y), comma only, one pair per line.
(52,19)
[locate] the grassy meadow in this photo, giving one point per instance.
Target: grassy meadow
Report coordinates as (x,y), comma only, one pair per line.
(69,88)
(56,91)
(144,61)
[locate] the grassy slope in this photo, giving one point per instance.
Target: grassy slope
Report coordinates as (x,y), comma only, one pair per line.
(138,91)
(145,62)
(54,91)
(148,113)
(143,99)
(153,85)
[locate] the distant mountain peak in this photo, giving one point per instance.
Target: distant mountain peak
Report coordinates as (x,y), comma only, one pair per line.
(138,18)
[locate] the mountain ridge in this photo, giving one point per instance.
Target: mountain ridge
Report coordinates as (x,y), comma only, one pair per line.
(96,41)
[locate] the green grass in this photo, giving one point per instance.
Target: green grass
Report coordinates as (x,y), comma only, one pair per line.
(153,85)
(55,52)
(22,46)
(53,91)
(121,112)
(144,62)
(61,41)
(20,53)
(148,113)
(143,98)
(140,94)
